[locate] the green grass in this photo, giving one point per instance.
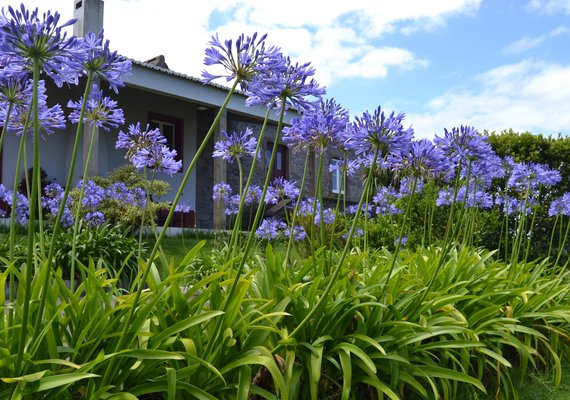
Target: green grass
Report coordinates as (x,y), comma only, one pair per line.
(540,386)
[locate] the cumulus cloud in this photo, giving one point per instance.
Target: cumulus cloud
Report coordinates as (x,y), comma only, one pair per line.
(342,39)
(526,96)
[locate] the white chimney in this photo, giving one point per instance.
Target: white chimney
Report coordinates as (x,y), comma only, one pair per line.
(89,14)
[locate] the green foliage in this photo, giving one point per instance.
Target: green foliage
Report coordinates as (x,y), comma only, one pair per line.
(110,246)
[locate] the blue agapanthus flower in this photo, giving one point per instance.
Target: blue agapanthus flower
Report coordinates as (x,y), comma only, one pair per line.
(291,86)
(281,189)
(381,133)
(100,111)
(560,206)
(26,38)
(236,145)
(319,128)
(101,62)
(270,229)
(241,61)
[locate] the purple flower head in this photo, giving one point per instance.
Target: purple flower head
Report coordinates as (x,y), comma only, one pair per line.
(158,157)
(232,204)
(102,62)
(291,86)
(319,128)
(421,159)
(93,195)
(241,61)
(377,132)
(328,216)
(95,218)
(463,145)
(13,90)
(182,207)
(49,118)
(253,195)
(471,196)
(21,209)
(236,145)
(281,189)
(298,233)
(384,201)
(407,184)
(560,206)
(147,149)
(100,111)
(25,38)
(222,191)
(270,229)
(403,240)
(532,175)
(120,193)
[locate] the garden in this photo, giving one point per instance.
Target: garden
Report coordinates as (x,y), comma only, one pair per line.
(448,279)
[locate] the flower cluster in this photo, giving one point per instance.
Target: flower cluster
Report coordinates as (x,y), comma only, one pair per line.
(147,149)
(235,146)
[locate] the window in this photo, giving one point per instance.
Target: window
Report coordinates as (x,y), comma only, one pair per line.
(280,167)
(172,129)
(337,181)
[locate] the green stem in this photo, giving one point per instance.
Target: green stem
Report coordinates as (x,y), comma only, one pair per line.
(251,236)
(57,223)
(122,342)
(342,258)
(402,229)
(31,223)
(296,209)
(552,235)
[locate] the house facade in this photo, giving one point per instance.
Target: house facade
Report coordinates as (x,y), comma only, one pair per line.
(183,108)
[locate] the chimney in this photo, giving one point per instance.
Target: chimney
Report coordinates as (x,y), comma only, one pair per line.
(89,14)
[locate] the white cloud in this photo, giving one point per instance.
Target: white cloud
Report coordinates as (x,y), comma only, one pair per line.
(340,38)
(528,43)
(550,6)
(527,96)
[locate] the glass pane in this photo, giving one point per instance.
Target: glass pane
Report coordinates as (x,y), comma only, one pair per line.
(279,161)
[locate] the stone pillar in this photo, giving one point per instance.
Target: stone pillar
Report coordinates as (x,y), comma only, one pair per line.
(220,175)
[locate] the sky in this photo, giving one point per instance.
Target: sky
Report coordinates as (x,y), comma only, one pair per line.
(491,64)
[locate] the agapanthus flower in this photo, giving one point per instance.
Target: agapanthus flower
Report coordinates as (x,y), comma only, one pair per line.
(49,118)
(403,240)
(222,191)
(147,149)
(182,207)
(270,229)
(253,195)
(421,159)
(51,201)
(327,214)
(319,128)
(21,210)
(292,86)
(463,145)
(358,232)
(281,189)
(384,200)
(26,38)
(102,62)
(471,196)
(93,194)
(236,145)
(100,111)
(120,193)
(232,204)
(159,158)
(297,231)
(532,175)
(95,218)
(377,132)
(366,209)
(240,61)
(407,184)
(512,205)
(560,206)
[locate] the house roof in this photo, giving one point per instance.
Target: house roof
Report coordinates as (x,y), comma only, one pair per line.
(152,77)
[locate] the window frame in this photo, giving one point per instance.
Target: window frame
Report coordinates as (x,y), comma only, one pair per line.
(282,149)
(155,118)
(337,183)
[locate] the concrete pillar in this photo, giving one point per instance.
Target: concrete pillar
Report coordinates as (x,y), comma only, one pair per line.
(220,175)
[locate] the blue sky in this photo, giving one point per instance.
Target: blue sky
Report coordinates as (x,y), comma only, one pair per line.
(492,64)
